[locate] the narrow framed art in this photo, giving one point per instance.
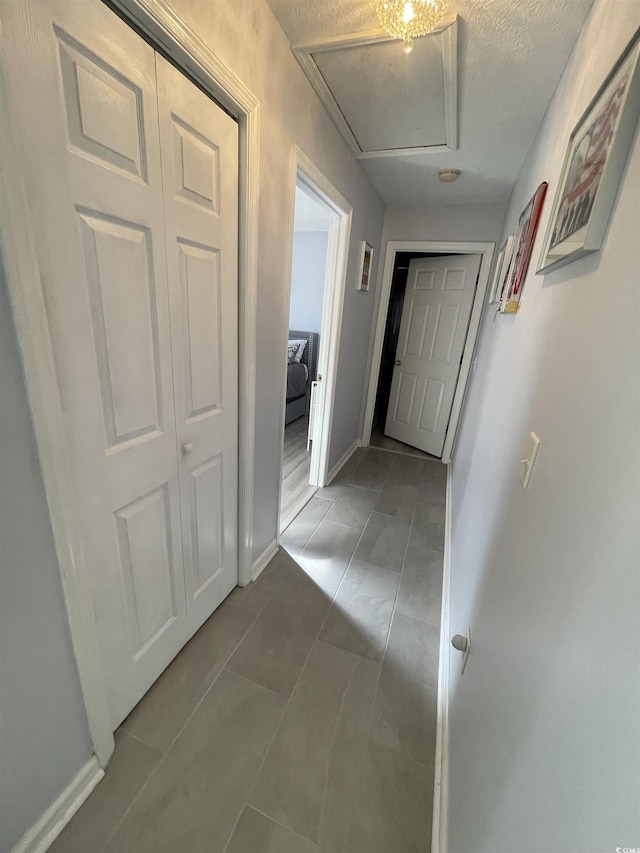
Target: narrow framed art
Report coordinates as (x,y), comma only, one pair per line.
(594,161)
(502,265)
(522,248)
(366,264)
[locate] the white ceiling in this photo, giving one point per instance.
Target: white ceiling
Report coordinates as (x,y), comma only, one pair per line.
(511,54)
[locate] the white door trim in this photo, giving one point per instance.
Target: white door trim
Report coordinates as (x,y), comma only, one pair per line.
(304,171)
(441,247)
(170,33)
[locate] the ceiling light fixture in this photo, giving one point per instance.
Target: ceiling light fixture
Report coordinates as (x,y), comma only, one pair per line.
(448,176)
(409,19)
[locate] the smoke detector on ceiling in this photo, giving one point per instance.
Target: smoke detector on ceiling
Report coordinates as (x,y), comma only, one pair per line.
(448,176)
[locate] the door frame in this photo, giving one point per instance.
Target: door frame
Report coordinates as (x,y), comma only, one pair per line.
(486,250)
(304,171)
(164,29)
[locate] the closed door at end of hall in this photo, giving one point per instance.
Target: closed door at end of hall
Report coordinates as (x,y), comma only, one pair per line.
(433,332)
(131,175)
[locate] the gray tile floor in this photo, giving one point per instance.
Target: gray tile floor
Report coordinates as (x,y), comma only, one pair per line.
(301,717)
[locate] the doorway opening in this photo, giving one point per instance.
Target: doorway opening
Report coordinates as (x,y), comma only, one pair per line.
(429,314)
(319,248)
(312,221)
(389,347)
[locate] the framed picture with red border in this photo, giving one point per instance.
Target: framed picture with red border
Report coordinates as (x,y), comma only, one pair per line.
(522,248)
(593,165)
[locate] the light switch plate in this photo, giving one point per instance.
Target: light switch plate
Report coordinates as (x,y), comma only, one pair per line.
(526,465)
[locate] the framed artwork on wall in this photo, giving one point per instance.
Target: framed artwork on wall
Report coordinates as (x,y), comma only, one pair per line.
(502,265)
(593,166)
(366,264)
(522,247)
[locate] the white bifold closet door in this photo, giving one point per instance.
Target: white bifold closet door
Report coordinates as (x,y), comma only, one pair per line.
(132,185)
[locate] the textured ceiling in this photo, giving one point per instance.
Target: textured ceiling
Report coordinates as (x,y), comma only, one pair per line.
(511,55)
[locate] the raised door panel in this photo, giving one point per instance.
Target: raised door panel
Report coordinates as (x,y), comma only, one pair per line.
(444,332)
(196,166)
(103,108)
(201,328)
(148,577)
(416,329)
(206,513)
(125,326)
(431,408)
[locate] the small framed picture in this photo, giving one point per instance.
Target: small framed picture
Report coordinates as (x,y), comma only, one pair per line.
(366,265)
(502,265)
(522,248)
(593,165)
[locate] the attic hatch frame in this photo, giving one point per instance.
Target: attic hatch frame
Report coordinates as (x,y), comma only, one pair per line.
(304,54)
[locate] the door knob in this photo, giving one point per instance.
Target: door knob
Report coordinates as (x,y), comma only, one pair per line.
(397,362)
(459,642)
(462,644)
(187,447)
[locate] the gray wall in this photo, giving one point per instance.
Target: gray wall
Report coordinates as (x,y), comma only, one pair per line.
(307,280)
(545,739)
(248,38)
(44,737)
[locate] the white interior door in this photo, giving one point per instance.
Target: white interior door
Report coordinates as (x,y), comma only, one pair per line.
(83,95)
(433,331)
(199,145)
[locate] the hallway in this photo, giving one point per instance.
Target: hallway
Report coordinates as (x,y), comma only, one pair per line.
(301,717)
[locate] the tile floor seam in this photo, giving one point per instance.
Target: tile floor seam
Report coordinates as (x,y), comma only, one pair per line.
(402,453)
(342,524)
(353,557)
(182,728)
(316,640)
(306,542)
(139,739)
(331,745)
(426,503)
(251,681)
(277,728)
(418,619)
(390,514)
(295,511)
(277,822)
(386,645)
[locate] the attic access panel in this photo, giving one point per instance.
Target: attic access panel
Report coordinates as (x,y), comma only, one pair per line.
(383,102)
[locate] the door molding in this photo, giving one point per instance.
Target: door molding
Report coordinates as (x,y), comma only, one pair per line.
(486,250)
(304,171)
(166,30)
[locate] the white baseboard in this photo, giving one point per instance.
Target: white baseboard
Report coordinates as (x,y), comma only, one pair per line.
(264,559)
(441,783)
(343,460)
(51,823)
